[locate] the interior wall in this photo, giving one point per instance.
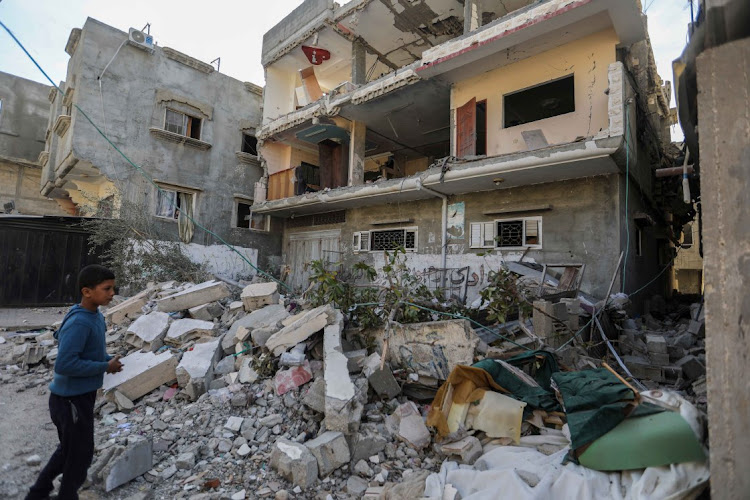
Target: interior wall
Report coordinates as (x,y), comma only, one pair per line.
(587,59)
(278,93)
(277,156)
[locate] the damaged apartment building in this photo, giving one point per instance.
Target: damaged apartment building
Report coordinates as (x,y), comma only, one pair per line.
(471,133)
(190,128)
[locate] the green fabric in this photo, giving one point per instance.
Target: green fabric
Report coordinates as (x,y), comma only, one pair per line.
(595,402)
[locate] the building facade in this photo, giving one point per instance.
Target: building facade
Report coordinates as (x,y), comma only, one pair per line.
(23,119)
(470,136)
(188,127)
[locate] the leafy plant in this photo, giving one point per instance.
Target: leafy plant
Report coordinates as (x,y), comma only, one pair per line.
(503,296)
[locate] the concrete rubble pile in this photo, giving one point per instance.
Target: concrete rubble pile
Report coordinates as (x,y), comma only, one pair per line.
(229,393)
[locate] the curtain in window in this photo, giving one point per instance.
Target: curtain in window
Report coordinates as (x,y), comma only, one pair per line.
(185,225)
(165,203)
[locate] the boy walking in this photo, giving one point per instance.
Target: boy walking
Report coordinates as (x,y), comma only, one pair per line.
(81,362)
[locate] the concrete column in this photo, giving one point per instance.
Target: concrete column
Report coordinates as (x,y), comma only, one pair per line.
(725,187)
(359,68)
(472,15)
(357,154)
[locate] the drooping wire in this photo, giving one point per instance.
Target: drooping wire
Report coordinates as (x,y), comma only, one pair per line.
(139,169)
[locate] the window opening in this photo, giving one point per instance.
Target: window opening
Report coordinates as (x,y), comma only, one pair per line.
(542,101)
(243,215)
(182,124)
(249,144)
(481,128)
(639,242)
(169,202)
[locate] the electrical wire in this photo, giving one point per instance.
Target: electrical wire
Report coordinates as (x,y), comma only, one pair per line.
(139,169)
(627,194)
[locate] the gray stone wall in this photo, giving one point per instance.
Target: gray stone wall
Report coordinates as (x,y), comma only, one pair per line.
(23,117)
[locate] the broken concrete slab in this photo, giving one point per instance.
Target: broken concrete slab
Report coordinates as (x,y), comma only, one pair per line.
(136,459)
(331,451)
(381,380)
(356,360)
(408,425)
(185,330)
(656,344)
(369,441)
(431,349)
(33,354)
(257,295)
(206,312)
(147,332)
(142,372)
(203,293)
(267,318)
(342,408)
(129,309)
(294,462)
(314,396)
(195,371)
(468,449)
(697,328)
(299,331)
(234,424)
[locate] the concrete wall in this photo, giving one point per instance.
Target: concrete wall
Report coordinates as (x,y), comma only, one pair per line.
(582,226)
(136,89)
(725,155)
(295,21)
(23,117)
(587,59)
(19,182)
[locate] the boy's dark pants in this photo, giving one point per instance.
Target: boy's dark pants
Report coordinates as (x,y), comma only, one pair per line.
(74,418)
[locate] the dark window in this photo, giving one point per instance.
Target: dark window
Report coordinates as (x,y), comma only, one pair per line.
(249,144)
(243,215)
(388,240)
(481,128)
(510,233)
(543,101)
(182,124)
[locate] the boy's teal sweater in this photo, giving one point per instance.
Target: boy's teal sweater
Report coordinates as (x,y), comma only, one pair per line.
(82,355)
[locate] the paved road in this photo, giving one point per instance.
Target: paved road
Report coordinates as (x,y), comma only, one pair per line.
(30,318)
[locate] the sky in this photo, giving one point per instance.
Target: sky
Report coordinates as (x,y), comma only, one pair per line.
(230,29)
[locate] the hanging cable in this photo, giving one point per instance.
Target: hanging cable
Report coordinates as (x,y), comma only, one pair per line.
(138,168)
(627,192)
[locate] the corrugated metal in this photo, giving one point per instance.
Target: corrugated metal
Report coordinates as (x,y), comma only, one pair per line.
(40,258)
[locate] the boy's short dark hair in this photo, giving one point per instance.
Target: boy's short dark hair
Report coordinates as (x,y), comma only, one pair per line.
(92,275)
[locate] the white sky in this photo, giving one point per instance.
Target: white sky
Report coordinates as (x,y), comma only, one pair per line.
(230,29)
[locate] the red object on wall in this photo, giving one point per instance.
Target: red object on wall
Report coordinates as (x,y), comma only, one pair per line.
(316,55)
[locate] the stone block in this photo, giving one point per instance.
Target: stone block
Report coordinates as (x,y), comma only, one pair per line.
(206,312)
(257,295)
(142,372)
(356,360)
(196,295)
(195,371)
(234,424)
(314,397)
(147,332)
(247,374)
(294,462)
(410,427)
(656,344)
(33,354)
(697,328)
(643,369)
(685,340)
(185,330)
(130,309)
(136,459)
(331,451)
(468,449)
(367,442)
(692,369)
(311,322)
(382,380)
(659,358)
(185,461)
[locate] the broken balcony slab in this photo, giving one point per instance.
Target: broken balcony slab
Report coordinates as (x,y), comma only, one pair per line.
(136,459)
(268,317)
(195,371)
(129,309)
(142,372)
(431,349)
(311,322)
(147,332)
(196,295)
(206,312)
(185,330)
(257,295)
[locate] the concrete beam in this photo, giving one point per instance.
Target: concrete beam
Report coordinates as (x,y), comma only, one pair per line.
(472,15)
(359,68)
(357,153)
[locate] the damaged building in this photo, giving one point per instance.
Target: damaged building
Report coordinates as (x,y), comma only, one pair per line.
(469,133)
(188,127)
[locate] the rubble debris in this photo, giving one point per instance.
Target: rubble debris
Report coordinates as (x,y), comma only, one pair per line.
(257,295)
(407,424)
(692,369)
(195,371)
(33,354)
(286,380)
(142,372)
(196,295)
(128,309)
(129,463)
(206,312)
(266,319)
(147,332)
(300,330)
(295,462)
(381,380)
(343,409)
(468,449)
(247,375)
(315,396)
(331,451)
(185,330)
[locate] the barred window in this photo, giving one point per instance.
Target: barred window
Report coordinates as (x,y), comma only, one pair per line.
(388,240)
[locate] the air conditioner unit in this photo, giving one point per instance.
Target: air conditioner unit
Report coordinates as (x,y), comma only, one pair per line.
(139,39)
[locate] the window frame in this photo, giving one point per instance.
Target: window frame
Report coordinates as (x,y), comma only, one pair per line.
(360,237)
(504,117)
(496,243)
(235,213)
(193,196)
(185,121)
